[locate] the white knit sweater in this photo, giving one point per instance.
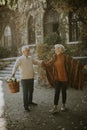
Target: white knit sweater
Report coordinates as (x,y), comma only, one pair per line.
(25,65)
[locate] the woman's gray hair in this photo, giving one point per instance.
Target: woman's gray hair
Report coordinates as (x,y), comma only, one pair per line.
(60,46)
(25,48)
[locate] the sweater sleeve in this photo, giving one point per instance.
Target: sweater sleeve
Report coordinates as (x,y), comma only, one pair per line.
(16,66)
(37,62)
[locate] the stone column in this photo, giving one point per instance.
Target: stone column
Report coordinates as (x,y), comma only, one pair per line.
(39,26)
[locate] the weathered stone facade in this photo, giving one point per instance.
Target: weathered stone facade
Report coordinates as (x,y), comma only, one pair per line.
(31,18)
(6,20)
(24,22)
(30,23)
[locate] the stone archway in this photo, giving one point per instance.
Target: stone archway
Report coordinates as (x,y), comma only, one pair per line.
(31,30)
(7,37)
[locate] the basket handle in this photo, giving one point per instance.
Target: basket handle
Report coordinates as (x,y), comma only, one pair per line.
(13,75)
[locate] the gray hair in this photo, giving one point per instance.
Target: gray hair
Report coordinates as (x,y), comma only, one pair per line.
(60,46)
(25,47)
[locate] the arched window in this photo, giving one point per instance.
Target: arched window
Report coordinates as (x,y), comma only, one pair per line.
(74,27)
(7,37)
(50,22)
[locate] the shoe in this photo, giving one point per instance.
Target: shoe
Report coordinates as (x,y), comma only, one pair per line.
(33,104)
(27,109)
(63,108)
(54,110)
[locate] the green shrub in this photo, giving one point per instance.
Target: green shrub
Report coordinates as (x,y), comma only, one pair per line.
(7,52)
(44,51)
(52,39)
(4,52)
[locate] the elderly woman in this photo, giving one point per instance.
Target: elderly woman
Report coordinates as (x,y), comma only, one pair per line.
(61,70)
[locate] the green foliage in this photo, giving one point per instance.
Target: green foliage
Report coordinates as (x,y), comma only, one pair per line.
(83,45)
(12,4)
(5,52)
(46,50)
(79,7)
(71,4)
(44,53)
(52,39)
(41,51)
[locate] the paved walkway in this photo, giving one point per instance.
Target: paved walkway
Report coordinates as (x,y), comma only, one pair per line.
(2,104)
(15,118)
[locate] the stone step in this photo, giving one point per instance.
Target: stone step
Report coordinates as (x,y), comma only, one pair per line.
(7,71)
(8,68)
(10,65)
(5,76)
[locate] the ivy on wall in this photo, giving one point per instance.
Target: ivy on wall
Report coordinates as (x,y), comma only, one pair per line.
(12,4)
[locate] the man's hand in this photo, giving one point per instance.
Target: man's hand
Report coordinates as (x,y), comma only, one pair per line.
(37,62)
(85,66)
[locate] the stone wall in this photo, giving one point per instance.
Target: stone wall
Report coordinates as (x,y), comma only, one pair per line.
(19,22)
(9,18)
(31,9)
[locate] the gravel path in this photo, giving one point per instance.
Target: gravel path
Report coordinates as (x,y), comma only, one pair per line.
(75,118)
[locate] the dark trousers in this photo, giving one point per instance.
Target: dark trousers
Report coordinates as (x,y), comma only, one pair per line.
(60,85)
(28,87)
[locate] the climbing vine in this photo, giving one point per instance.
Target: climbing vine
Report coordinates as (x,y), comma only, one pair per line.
(12,4)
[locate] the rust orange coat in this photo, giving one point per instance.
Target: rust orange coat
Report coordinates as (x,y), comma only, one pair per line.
(73,68)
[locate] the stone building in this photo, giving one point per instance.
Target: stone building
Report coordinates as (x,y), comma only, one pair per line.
(32,21)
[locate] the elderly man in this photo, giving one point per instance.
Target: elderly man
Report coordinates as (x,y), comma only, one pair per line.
(25,65)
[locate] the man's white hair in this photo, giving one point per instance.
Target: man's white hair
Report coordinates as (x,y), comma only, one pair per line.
(60,46)
(25,47)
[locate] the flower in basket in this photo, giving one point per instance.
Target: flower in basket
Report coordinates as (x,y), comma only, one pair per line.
(8,79)
(12,79)
(13,84)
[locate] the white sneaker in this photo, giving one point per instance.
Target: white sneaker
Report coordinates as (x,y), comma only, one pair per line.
(54,110)
(63,108)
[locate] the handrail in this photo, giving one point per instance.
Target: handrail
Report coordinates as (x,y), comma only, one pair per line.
(82,57)
(7,59)
(14,58)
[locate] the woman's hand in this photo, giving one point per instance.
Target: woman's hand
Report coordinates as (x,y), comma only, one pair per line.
(43,64)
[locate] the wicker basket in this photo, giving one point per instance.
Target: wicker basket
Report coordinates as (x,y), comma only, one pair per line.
(13,86)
